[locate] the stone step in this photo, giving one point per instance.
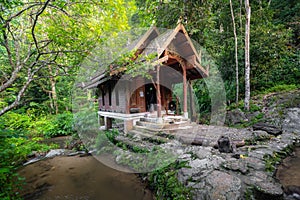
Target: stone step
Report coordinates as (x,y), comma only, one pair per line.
(157,138)
(148,119)
(159,126)
(154,131)
(132,143)
(166,119)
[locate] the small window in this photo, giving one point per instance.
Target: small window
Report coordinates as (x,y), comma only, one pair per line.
(103,97)
(109,95)
(117,96)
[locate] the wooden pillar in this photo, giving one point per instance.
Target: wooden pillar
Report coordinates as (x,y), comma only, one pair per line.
(128,125)
(185,112)
(127,96)
(192,105)
(108,123)
(158,94)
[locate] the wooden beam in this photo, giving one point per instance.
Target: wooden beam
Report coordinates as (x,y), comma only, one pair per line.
(191,60)
(145,37)
(160,61)
(190,41)
(204,71)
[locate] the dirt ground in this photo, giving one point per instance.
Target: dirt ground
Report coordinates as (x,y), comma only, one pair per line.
(80,178)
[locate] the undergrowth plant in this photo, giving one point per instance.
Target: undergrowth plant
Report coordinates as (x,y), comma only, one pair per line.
(21,135)
(14,149)
(165,184)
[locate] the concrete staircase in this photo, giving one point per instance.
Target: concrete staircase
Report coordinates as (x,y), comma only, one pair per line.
(148,132)
(167,125)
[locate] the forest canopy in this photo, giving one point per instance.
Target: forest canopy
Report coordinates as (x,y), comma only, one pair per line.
(43,43)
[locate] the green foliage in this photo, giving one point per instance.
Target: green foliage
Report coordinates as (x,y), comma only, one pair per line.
(166,185)
(141,65)
(105,141)
(14,149)
(64,33)
(48,126)
(54,125)
(240,105)
(280,88)
(17,122)
(111,135)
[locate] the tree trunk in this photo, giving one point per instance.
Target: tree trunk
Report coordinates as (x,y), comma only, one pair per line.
(247,55)
(17,101)
(53,88)
(241,21)
(236,54)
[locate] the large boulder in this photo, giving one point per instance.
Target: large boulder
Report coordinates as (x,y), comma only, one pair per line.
(224,186)
(224,144)
(269,128)
(236,116)
(291,122)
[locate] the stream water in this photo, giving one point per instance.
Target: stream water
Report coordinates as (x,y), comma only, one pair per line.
(79,178)
(76,178)
(289,174)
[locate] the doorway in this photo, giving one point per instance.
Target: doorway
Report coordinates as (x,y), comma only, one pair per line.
(151,99)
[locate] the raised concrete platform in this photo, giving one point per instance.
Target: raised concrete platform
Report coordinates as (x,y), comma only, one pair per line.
(129,119)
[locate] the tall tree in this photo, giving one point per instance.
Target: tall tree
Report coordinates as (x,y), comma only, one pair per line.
(38,34)
(247,55)
(235,54)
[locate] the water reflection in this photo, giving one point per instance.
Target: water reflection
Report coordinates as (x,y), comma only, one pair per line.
(80,178)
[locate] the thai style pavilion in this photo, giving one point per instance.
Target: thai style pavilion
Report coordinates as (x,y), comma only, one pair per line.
(129,98)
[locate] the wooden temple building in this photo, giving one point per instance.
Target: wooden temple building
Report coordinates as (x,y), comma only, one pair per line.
(131,98)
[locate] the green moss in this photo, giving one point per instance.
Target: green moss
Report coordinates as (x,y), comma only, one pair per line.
(271,161)
(249,194)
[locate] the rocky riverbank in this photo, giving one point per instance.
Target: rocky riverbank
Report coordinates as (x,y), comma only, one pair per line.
(247,172)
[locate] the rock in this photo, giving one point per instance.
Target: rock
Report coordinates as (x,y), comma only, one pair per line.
(255,163)
(224,186)
(239,143)
(269,128)
(260,135)
(252,115)
(268,190)
(292,190)
(77,153)
(75,144)
(291,122)
(32,161)
(236,116)
(237,165)
(203,153)
(224,144)
(55,152)
(256,176)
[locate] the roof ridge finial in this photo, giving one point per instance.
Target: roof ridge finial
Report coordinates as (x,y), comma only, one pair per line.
(179,21)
